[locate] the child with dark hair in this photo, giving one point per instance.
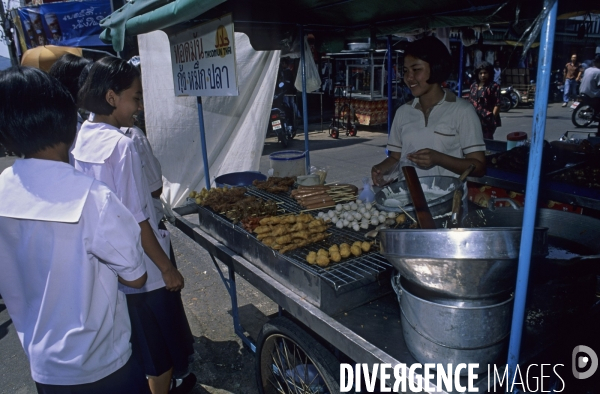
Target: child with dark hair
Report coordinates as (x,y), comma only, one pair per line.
(438,132)
(66,242)
(485,97)
(161,336)
(67,69)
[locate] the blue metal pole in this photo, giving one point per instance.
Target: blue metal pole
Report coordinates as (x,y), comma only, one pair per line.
(304,100)
(389,83)
(460,70)
(203,143)
(531,191)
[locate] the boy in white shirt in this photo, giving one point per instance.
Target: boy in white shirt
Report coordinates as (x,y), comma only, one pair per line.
(65,241)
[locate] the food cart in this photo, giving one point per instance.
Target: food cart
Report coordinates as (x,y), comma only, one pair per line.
(325,319)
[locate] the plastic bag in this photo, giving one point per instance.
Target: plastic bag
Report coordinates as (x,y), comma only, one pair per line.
(367,194)
(313,80)
(321,171)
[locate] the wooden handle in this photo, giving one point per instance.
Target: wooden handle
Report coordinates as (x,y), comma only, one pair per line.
(465,174)
(424,217)
(456,205)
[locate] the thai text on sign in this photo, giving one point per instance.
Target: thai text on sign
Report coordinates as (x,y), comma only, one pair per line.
(203,60)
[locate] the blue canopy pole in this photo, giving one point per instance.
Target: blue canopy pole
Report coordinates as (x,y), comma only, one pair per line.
(531,191)
(460,70)
(304,100)
(203,143)
(389,83)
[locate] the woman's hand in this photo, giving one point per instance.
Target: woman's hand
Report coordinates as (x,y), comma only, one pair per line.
(425,158)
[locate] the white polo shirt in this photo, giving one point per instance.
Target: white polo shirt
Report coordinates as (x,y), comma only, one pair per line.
(103,152)
(452,127)
(64,238)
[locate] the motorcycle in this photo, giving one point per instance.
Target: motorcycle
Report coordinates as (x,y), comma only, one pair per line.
(506,102)
(557,87)
(281,117)
(512,94)
(584,112)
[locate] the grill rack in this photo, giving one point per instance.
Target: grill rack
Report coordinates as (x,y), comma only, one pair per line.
(345,273)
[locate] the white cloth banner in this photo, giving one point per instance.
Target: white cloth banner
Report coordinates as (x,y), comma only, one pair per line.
(235,127)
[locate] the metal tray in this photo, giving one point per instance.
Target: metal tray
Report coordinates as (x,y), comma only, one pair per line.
(333,289)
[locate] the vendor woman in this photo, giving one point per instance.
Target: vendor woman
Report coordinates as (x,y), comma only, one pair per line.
(438,132)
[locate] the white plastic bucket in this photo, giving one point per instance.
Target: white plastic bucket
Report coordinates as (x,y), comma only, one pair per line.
(288,163)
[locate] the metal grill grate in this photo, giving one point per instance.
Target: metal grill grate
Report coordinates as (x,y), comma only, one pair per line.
(347,271)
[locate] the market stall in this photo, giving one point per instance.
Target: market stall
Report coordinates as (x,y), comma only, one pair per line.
(325,302)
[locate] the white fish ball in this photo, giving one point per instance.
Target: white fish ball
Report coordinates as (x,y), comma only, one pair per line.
(374,221)
(375,212)
(345,222)
(320,215)
(355,227)
(339,207)
(358,201)
(381,218)
(354,206)
(364,225)
(335,219)
(346,207)
(357,216)
(340,224)
(392,215)
(367,215)
(362,210)
(368,206)
(331,214)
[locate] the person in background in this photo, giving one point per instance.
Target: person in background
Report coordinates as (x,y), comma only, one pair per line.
(572,74)
(66,243)
(485,97)
(67,69)
(497,73)
(590,86)
(439,133)
(161,336)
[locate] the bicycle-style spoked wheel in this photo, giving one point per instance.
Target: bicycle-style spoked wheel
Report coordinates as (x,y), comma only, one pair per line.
(291,361)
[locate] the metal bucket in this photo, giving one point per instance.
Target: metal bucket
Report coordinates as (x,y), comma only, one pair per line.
(438,206)
(459,263)
(446,333)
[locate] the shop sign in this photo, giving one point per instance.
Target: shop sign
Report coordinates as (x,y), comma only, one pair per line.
(72,24)
(203,59)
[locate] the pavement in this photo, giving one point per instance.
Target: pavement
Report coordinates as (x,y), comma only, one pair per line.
(222,364)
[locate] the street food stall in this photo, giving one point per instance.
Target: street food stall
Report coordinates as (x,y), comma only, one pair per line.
(461,295)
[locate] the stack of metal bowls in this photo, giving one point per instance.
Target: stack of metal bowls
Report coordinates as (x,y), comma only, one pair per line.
(454,287)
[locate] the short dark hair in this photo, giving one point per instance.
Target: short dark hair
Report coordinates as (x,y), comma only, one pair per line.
(67,69)
(108,73)
(434,52)
(83,75)
(36,111)
(487,67)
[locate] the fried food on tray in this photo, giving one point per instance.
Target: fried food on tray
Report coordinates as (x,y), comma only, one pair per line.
(291,232)
(336,257)
(275,184)
(322,261)
(236,206)
(311,258)
(334,248)
(322,252)
(365,246)
(355,250)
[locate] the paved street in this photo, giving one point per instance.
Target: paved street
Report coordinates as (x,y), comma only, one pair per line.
(222,364)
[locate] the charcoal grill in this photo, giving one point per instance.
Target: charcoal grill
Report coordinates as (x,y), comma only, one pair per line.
(336,288)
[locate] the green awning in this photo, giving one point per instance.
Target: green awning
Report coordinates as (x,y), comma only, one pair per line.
(270,23)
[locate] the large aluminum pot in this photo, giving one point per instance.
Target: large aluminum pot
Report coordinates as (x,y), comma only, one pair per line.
(438,206)
(459,263)
(445,333)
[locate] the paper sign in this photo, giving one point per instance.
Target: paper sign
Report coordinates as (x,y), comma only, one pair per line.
(203,60)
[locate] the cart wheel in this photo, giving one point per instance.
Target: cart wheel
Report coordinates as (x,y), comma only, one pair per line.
(289,360)
(352,131)
(334,132)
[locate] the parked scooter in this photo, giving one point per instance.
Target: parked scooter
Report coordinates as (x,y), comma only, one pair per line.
(506,102)
(513,94)
(281,118)
(557,87)
(584,112)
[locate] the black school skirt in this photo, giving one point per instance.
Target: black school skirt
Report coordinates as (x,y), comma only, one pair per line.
(161,338)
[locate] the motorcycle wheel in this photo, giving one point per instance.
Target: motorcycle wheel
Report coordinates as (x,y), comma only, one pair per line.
(582,116)
(515,98)
(505,104)
(281,139)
